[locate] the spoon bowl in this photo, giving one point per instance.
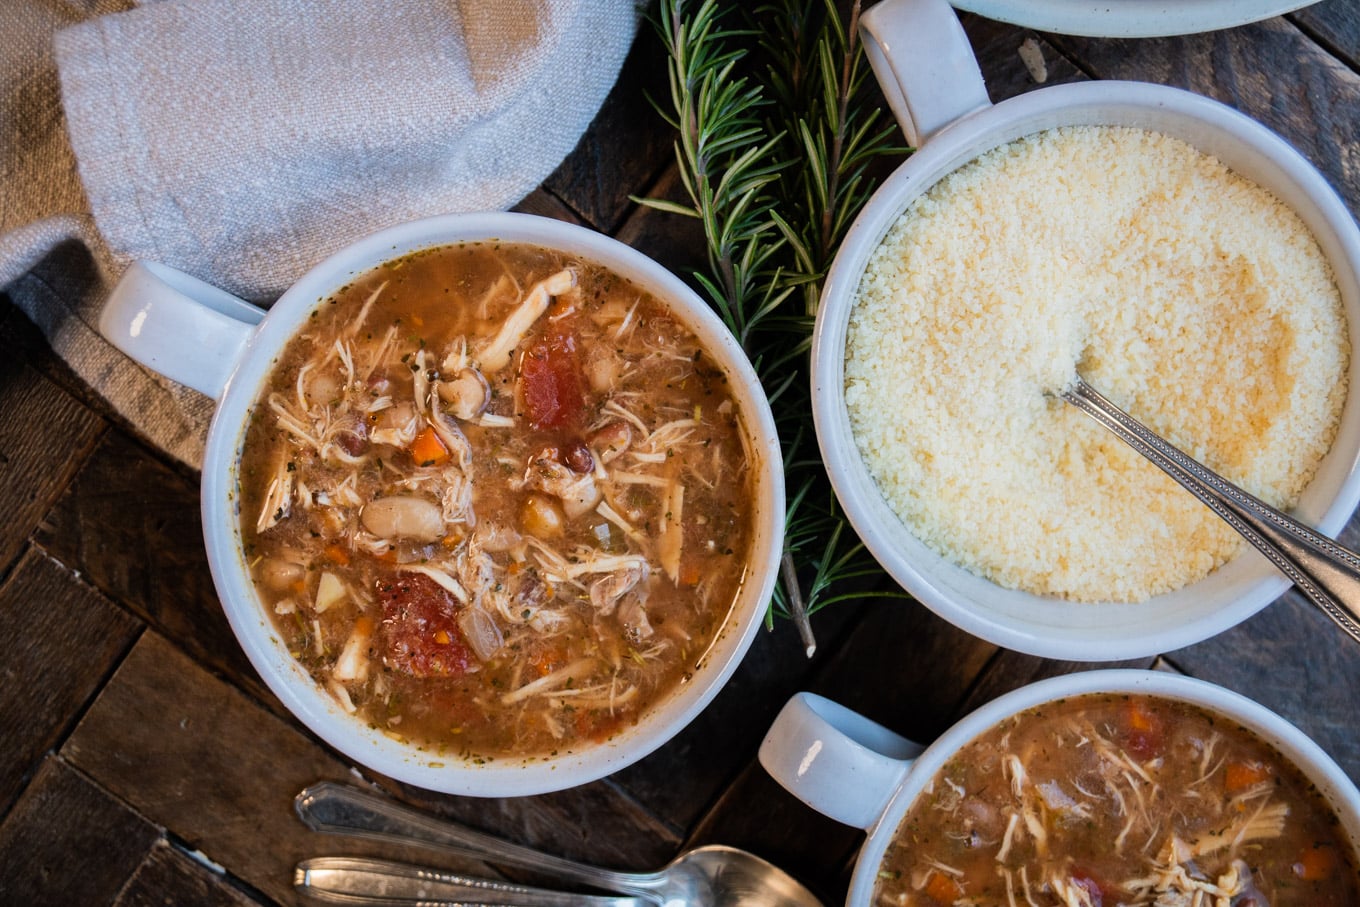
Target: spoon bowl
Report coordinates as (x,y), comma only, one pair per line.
(713,875)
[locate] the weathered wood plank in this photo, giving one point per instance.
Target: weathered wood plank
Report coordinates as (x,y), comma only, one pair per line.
(545,204)
(169,876)
(200,759)
(674,241)
(682,779)
(1011,670)
(626,145)
(1336,24)
(1290,658)
(206,762)
(69,842)
(758,815)
(901,666)
(62,638)
(45,435)
(1303,93)
(906,669)
(997,48)
(130,525)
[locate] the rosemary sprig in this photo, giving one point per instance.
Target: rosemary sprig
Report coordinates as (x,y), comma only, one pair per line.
(776,157)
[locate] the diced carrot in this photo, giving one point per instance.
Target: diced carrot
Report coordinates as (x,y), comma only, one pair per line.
(1143,730)
(1316,863)
(363,624)
(690,573)
(337,555)
(943,888)
(547,659)
(1238,776)
(427,449)
(1139,718)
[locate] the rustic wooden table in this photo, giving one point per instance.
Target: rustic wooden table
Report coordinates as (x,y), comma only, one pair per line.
(142,760)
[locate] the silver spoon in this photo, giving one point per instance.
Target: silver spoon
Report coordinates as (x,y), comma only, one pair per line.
(1327,573)
(713,876)
(364,882)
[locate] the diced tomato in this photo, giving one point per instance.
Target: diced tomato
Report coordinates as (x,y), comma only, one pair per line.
(551,381)
(420,634)
(596,724)
(1143,730)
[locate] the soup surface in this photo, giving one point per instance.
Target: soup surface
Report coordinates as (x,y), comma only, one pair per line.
(496,500)
(1188,295)
(1105,800)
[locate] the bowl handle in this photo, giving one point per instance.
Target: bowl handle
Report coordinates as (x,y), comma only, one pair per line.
(189,331)
(837,761)
(924,64)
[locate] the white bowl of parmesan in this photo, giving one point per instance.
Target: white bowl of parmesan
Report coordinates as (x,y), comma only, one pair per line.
(1176,254)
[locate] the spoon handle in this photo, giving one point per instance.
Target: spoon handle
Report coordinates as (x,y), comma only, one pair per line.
(339,809)
(362,881)
(1327,573)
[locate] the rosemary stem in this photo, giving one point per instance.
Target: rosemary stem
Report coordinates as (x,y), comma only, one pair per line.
(794,598)
(838,139)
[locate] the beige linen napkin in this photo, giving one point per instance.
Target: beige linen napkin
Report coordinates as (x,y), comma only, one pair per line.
(242,141)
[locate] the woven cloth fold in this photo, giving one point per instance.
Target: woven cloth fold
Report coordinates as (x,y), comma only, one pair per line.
(242,141)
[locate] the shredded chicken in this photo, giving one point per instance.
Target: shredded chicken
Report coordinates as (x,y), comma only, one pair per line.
(401,447)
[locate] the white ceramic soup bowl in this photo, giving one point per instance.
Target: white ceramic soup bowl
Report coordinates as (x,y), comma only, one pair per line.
(921,57)
(861,774)
(218,344)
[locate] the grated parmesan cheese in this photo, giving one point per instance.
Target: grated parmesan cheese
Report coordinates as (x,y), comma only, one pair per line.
(1188,295)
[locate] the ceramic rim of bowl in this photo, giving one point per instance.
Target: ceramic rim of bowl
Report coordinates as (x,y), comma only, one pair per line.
(303,696)
(1042,625)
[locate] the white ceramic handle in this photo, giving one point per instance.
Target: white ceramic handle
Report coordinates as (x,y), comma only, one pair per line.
(924,64)
(187,330)
(837,761)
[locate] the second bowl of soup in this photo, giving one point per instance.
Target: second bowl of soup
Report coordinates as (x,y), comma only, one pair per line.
(1104,787)
(493,503)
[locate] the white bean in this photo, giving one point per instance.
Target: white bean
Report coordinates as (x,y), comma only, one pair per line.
(280,575)
(404,516)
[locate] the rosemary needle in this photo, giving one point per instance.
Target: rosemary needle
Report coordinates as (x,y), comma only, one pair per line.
(778,131)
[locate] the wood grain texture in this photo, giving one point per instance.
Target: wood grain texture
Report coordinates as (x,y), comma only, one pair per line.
(130,524)
(169,876)
(758,815)
(1305,94)
(205,762)
(626,145)
(544,204)
(199,758)
(1336,25)
(997,48)
(1290,658)
(45,435)
(62,638)
(69,842)
(183,762)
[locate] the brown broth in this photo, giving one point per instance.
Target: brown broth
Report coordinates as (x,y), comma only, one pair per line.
(496,542)
(1105,800)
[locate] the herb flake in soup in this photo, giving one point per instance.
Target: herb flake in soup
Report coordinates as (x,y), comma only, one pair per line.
(1105,800)
(496,500)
